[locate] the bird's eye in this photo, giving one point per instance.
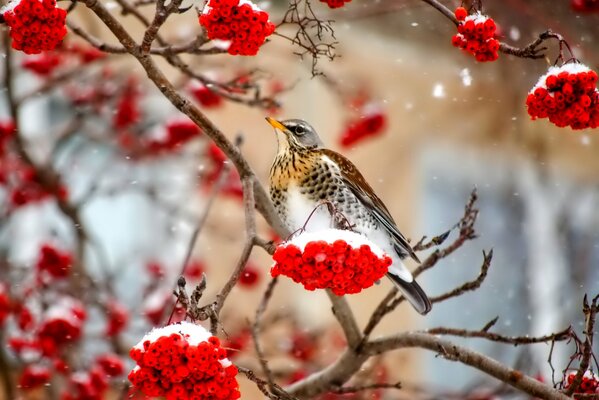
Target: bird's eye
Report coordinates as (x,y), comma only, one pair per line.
(299,130)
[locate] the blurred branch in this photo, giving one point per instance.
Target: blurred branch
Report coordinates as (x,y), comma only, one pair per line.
(453,352)
(256,331)
(495,337)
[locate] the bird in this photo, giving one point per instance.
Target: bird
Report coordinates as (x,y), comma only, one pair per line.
(305,174)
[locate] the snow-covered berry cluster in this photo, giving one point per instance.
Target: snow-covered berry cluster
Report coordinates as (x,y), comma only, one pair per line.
(239,21)
(53,262)
(585,6)
(35,25)
(117,318)
(183,361)
(34,376)
(567,96)
(589,384)
(343,261)
(371,123)
(62,323)
(335,3)
(476,35)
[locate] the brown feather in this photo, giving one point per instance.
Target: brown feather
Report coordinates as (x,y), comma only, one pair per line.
(354,180)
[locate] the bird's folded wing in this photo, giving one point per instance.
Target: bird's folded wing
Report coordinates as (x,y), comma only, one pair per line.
(364,192)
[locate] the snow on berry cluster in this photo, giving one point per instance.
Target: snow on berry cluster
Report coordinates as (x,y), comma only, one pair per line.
(61,324)
(567,96)
(239,21)
(183,361)
(343,261)
(589,384)
(335,3)
(35,25)
(371,123)
(476,35)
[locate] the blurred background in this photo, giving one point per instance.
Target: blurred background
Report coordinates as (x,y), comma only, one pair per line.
(445,125)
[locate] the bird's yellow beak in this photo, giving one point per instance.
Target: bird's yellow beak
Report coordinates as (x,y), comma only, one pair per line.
(276,124)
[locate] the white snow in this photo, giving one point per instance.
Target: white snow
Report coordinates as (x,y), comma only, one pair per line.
(466,77)
(63,309)
(354,239)
(194,334)
(207,8)
(10,6)
(572,68)
(477,18)
(438,91)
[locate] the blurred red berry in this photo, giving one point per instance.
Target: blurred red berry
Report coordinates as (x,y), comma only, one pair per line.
(43,64)
(34,376)
(194,270)
(585,6)
(111,364)
(205,96)
(250,276)
(118,316)
(54,262)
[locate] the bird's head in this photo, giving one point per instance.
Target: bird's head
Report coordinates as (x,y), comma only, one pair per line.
(298,134)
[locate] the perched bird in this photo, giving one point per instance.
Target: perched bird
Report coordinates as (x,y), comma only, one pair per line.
(304,174)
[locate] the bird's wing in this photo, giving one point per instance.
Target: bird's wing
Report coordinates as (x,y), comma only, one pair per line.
(362,190)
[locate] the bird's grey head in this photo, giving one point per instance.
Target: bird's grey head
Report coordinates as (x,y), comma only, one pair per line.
(298,134)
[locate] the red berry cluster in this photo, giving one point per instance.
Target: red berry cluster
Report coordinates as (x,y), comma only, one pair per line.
(93,384)
(373,123)
(476,35)
(336,266)
(62,324)
(589,384)
(117,316)
(567,96)
(26,188)
(111,364)
(172,366)
(205,96)
(34,376)
(335,3)
(54,262)
(127,110)
(35,25)
(239,21)
(42,64)
(585,6)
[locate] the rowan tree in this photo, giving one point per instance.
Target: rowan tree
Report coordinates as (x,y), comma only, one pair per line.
(112,100)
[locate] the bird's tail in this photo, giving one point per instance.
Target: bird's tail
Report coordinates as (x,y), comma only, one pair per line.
(412,292)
